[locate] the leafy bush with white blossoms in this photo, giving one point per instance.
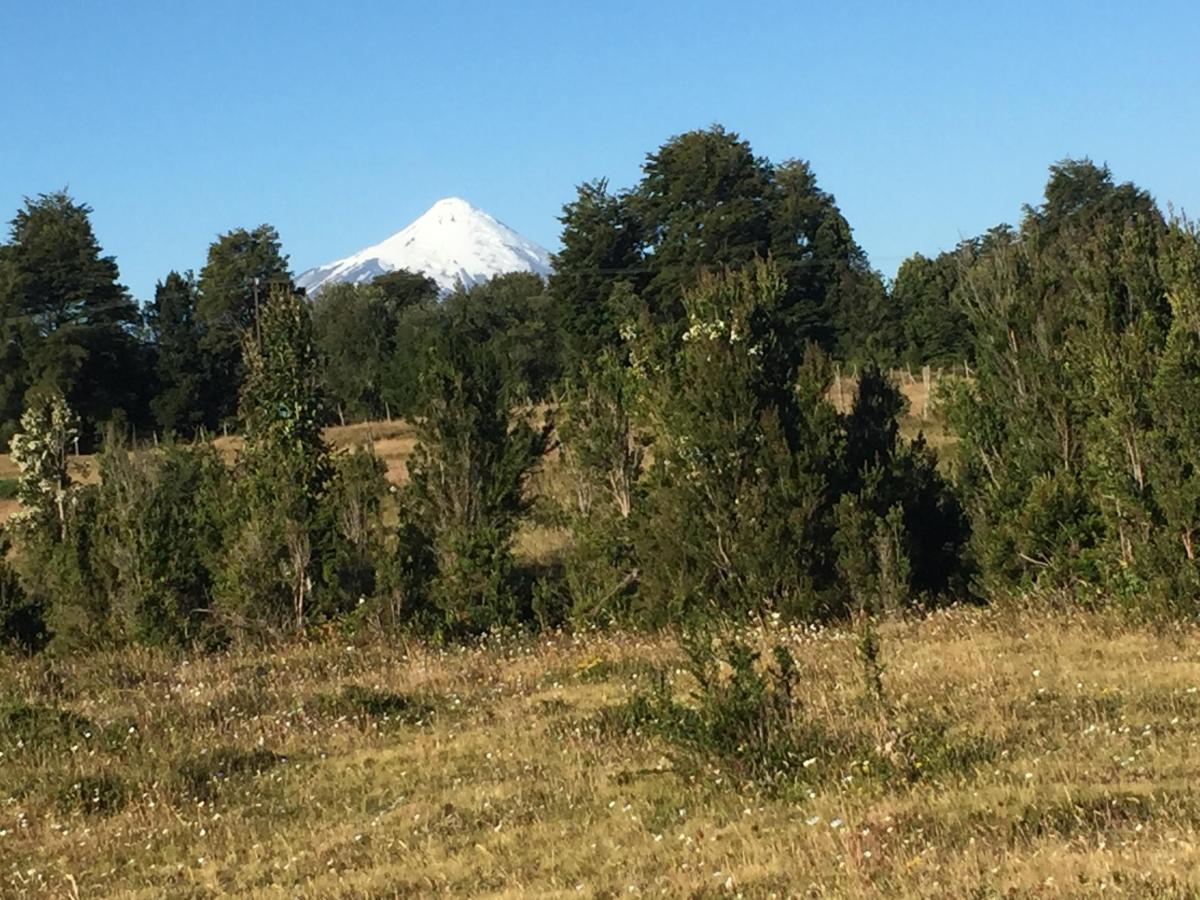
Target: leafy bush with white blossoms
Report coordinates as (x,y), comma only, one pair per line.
(39,451)
(745,459)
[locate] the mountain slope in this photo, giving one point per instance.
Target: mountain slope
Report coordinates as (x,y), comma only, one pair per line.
(451,242)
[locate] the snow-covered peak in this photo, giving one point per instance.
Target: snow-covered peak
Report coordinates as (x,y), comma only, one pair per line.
(451,242)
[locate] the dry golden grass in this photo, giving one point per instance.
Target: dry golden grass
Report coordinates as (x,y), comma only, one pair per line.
(473,772)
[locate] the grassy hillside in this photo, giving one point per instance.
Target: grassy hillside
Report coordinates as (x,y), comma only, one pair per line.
(1051,758)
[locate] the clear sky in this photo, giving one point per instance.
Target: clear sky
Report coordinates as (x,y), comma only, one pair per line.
(340,122)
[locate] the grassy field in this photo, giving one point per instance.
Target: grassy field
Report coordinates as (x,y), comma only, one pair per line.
(1064,765)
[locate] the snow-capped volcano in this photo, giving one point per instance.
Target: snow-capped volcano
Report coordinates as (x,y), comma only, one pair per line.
(451,242)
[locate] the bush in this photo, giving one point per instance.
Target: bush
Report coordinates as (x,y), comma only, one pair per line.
(59,570)
(93,795)
(157,540)
(745,713)
(603,454)
(896,487)
(42,726)
(201,777)
(22,617)
(356,568)
(364,704)
(466,489)
(745,461)
(744,716)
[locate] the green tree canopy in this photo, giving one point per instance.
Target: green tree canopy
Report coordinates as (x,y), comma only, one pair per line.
(66,323)
(180,403)
(705,203)
(241,270)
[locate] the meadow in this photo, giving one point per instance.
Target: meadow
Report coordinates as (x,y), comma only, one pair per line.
(1014,752)
(1052,756)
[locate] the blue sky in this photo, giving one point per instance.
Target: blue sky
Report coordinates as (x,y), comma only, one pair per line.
(340,122)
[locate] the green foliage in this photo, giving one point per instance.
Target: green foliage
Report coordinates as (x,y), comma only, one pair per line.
(706,202)
(745,713)
(743,716)
(59,571)
(180,404)
(360,330)
(465,493)
(66,324)
(896,485)
(22,617)
(603,455)
(601,249)
(41,726)
(400,387)
(39,451)
(201,777)
(739,495)
(515,314)
(935,325)
(93,795)
(1172,467)
(157,541)
(872,558)
(1076,440)
(357,567)
(370,705)
(133,557)
(272,578)
(242,269)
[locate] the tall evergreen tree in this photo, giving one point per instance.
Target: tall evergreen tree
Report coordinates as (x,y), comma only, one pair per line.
(242,268)
(354,334)
(180,404)
(370,341)
(746,458)
(706,202)
(519,321)
(601,248)
(68,324)
(466,491)
(273,577)
(935,329)
(1064,313)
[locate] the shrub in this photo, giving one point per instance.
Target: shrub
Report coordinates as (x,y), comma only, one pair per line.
(200,777)
(746,446)
(46,726)
(39,450)
(357,566)
(603,454)
(365,703)
(93,795)
(466,489)
(160,516)
(22,617)
(743,717)
(897,485)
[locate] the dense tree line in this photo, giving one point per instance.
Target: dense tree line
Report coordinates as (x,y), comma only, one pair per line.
(1079,452)
(677,366)
(705,203)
